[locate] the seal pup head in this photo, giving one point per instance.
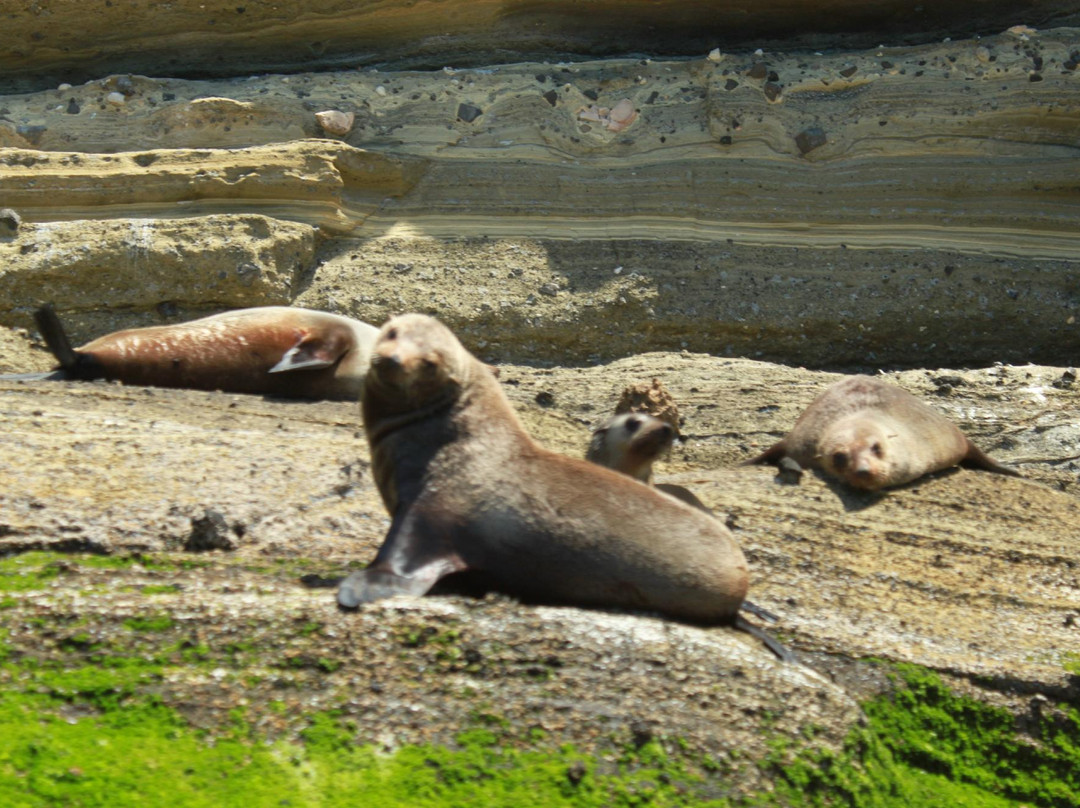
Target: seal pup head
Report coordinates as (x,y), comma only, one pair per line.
(630,444)
(860,450)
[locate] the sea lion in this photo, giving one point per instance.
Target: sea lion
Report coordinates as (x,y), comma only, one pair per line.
(873,435)
(273,350)
(470,492)
(630,444)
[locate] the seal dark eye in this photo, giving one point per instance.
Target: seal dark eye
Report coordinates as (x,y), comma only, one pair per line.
(391,334)
(632,425)
(839,460)
(876,449)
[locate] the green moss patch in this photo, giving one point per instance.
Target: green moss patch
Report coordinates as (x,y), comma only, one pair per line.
(928,746)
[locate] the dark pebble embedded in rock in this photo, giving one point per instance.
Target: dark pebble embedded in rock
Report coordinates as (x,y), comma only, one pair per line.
(1067,380)
(848,71)
(9,223)
(211,532)
(730,85)
(545,398)
(468,113)
(73,107)
(772,91)
(758,70)
(811,138)
(551,97)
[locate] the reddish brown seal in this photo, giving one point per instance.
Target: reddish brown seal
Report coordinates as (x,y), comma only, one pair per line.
(470,491)
(273,350)
(873,435)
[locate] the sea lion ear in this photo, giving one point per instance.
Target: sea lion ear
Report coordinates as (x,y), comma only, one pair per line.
(495,369)
(308,353)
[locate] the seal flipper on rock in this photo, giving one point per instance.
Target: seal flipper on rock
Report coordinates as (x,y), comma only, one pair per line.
(408,563)
(783,653)
(310,352)
(976,458)
(773,455)
(73,364)
(759,611)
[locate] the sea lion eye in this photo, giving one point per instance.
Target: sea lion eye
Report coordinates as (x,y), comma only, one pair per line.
(839,460)
(632,425)
(391,334)
(876,449)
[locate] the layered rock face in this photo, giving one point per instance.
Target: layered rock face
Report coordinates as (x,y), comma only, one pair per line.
(716,197)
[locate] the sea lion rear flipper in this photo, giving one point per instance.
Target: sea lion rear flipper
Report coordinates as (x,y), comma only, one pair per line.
(52,331)
(73,364)
(774,454)
(409,562)
(783,653)
(309,352)
(976,458)
(758,611)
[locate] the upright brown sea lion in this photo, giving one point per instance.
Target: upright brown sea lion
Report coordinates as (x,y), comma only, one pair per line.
(872,435)
(273,350)
(470,491)
(631,443)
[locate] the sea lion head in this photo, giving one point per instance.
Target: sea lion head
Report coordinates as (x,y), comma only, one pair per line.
(857,451)
(630,443)
(416,361)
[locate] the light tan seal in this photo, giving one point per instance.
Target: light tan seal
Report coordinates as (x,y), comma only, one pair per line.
(470,492)
(873,435)
(630,444)
(273,350)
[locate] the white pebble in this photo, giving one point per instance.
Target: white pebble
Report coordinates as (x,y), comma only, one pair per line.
(715,55)
(116,99)
(64,86)
(380,90)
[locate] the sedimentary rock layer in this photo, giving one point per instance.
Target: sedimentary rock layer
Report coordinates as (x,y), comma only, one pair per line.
(904,206)
(62,41)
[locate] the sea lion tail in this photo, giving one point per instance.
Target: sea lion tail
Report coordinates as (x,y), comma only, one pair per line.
(73,364)
(783,653)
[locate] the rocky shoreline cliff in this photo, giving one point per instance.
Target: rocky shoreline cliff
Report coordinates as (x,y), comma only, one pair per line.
(776,202)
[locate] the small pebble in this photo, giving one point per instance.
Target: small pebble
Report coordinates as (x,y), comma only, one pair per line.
(810,139)
(715,55)
(335,122)
(116,99)
(9,223)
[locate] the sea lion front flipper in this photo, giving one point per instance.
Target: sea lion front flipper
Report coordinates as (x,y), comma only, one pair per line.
(783,653)
(409,562)
(309,352)
(45,376)
(976,458)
